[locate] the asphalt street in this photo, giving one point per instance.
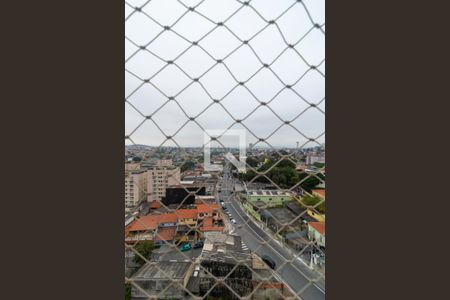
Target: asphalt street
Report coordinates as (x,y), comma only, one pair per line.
(295,274)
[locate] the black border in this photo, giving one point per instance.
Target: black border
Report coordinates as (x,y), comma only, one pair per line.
(386,150)
(63,149)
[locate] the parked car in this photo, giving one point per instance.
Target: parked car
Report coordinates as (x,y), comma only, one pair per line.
(233,221)
(269,261)
(198,244)
(185,247)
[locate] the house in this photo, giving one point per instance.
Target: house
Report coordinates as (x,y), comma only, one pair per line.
(319,192)
(162,280)
(155,204)
(165,234)
(315,215)
(145,227)
(316,233)
(220,256)
(271,198)
(187,217)
(208,210)
(210,225)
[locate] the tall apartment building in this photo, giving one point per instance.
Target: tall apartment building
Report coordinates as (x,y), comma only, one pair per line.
(135,188)
(160,177)
(132,166)
(164,163)
(312,158)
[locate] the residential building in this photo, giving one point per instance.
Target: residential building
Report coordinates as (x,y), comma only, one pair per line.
(146,227)
(187,217)
(312,158)
(219,257)
(135,188)
(168,227)
(181,194)
(319,192)
(164,163)
(317,216)
(132,166)
(162,280)
(316,233)
(270,198)
(208,210)
(159,178)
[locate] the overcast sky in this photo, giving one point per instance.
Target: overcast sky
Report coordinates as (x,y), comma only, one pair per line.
(218,82)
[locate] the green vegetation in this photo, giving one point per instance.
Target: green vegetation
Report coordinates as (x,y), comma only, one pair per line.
(187,165)
(251,162)
(312,201)
(145,248)
(311,182)
(319,165)
(127,291)
(283,174)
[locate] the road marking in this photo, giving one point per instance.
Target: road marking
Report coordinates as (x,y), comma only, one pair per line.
(319,288)
(273,249)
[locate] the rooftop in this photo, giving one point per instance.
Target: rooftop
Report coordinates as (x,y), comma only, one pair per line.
(318,226)
(268,193)
(155,204)
(166,233)
(224,248)
(209,226)
(207,208)
(187,213)
(320,192)
(163,270)
(150,222)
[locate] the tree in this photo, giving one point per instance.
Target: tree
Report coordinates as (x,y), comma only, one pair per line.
(145,248)
(127,291)
(252,162)
(319,165)
(313,201)
(187,165)
(311,182)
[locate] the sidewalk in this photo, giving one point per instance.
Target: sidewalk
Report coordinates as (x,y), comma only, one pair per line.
(318,271)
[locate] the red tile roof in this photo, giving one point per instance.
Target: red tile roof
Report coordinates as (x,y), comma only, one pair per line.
(150,222)
(168,218)
(207,208)
(208,221)
(209,226)
(155,204)
(165,233)
(320,192)
(319,226)
(186,213)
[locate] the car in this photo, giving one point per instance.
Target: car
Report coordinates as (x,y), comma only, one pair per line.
(185,247)
(233,221)
(198,244)
(269,261)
